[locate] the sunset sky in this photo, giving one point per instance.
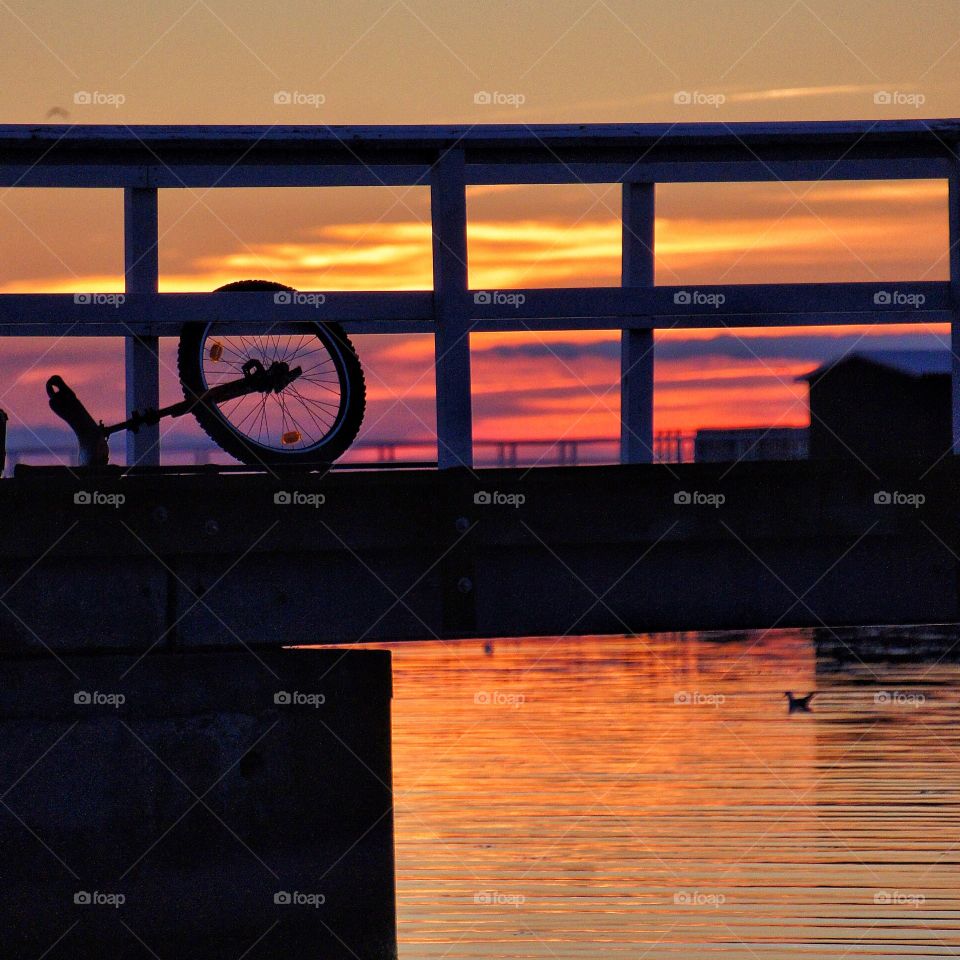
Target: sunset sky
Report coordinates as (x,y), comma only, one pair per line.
(423,62)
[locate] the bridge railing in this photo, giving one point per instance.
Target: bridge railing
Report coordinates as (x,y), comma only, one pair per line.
(143,160)
(670,446)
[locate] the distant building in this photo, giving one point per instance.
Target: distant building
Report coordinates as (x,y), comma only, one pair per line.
(881,404)
(754,443)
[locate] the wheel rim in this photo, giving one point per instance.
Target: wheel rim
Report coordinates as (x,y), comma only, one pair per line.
(305,415)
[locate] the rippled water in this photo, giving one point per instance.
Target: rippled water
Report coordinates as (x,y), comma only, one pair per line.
(652,798)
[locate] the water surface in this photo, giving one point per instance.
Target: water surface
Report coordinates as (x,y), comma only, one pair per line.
(652,798)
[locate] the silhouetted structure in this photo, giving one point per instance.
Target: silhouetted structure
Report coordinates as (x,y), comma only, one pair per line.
(752,443)
(881,404)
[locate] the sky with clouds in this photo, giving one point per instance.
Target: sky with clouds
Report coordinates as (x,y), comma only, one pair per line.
(426,62)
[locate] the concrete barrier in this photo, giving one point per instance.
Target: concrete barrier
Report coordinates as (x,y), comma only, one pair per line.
(253,560)
(197,806)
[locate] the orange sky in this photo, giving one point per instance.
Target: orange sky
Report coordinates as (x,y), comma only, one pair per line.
(536,384)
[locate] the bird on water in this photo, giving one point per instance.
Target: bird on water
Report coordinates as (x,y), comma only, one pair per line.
(797,703)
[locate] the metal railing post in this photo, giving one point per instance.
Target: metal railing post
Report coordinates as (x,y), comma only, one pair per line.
(636,346)
(448,211)
(141,271)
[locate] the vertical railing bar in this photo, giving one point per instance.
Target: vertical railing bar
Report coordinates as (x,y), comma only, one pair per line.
(953,217)
(636,346)
(448,211)
(141,273)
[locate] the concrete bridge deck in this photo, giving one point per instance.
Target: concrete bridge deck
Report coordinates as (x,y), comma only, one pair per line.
(177,562)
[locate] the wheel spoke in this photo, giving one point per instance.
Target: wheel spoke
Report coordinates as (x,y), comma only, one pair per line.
(311,405)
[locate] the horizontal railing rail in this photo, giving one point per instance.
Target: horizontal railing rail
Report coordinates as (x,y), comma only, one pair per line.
(614,308)
(230,156)
(448,159)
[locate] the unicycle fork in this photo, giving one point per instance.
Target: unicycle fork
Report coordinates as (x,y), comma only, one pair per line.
(92,436)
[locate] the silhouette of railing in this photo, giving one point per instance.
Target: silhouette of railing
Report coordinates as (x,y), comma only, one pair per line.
(448,159)
(669,447)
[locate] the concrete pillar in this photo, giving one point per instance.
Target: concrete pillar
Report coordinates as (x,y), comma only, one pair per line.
(199,806)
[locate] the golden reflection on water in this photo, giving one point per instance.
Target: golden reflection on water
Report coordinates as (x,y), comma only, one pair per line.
(652,797)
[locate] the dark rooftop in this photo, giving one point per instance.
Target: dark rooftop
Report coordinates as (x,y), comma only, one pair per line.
(911,363)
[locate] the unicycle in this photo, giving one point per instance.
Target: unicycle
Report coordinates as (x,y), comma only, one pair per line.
(293,395)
